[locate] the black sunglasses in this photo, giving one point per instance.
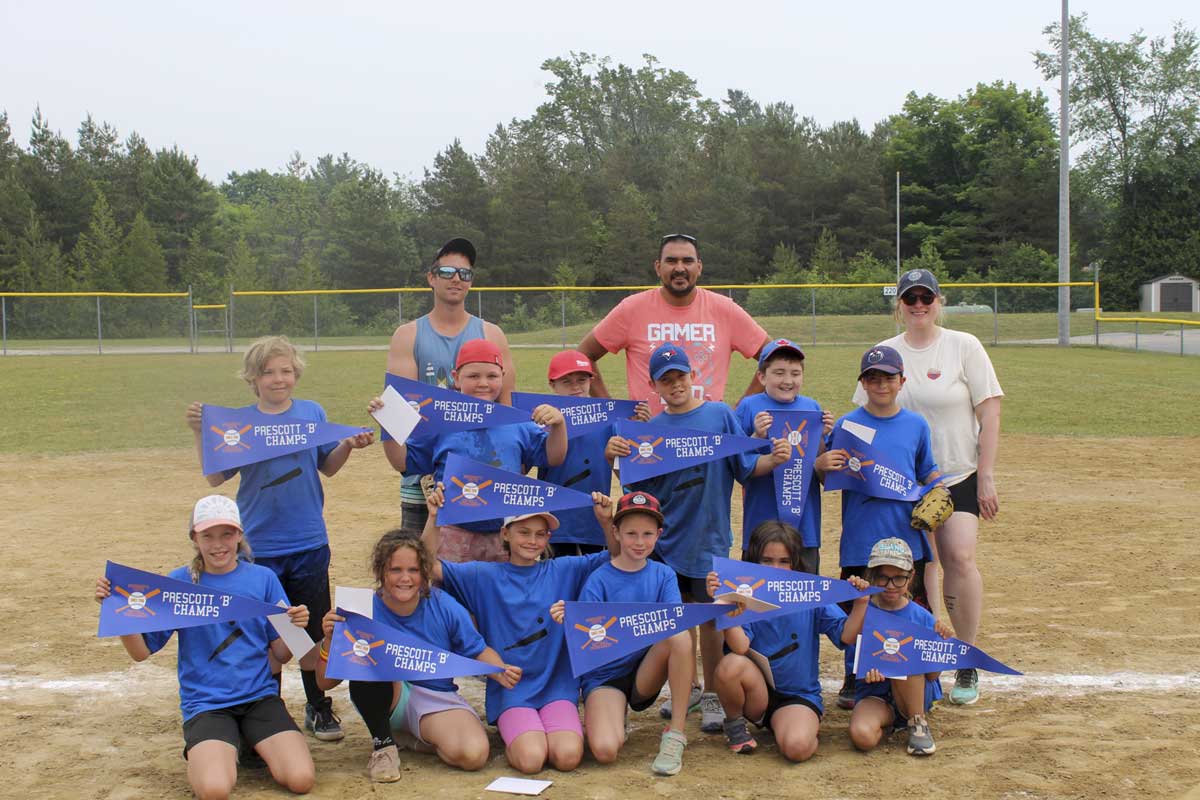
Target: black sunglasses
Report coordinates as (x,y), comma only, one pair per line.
(911,298)
(670,237)
(447,273)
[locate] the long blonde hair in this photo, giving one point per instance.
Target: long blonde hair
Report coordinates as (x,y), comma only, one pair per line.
(940,319)
(196,567)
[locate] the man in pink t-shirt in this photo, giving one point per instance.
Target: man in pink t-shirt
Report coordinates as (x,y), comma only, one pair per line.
(707,325)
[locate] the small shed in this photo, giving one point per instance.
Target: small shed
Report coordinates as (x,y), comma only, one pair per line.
(1171,293)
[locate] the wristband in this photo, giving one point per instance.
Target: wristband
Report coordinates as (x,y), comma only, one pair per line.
(324,654)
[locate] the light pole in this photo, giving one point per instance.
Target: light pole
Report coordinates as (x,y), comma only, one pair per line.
(1064,185)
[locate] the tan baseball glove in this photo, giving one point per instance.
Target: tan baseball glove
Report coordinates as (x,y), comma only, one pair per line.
(933,509)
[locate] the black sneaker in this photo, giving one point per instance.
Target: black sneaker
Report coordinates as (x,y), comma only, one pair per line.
(320,719)
(845,698)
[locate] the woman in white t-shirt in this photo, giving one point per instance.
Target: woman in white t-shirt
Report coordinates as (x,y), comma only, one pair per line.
(950,381)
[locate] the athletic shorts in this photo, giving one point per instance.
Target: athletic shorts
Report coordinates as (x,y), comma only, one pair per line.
(249,722)
(305,580)
(627,685)
(459,545)
(554,717)
(863,690)
(416,702)
(810,560)
(916,584)
(776,701)
(413,516)
(965,494)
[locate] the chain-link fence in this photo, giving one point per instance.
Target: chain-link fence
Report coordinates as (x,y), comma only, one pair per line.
(551,317)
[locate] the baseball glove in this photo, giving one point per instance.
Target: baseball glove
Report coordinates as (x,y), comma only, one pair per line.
(933,509)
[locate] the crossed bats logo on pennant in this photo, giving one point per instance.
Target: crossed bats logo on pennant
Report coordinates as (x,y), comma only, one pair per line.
(135,601)
(361,648)
(415,401)
(231,437)
(470,490)
(796,437)
(643,450)
(857,462)
(891,646)
(743,588)
(597,633)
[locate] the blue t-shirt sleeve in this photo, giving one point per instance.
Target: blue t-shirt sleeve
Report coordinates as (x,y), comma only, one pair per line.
(460,580)
(669,589)
(744,416)
(464,639)
(592,591)
(925,463)
(157,640)
(419,457)
(743,464)
(831,621)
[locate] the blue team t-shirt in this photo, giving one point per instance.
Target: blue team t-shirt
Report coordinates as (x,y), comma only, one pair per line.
(585,469)
(653,583)
(933,689)
(790,644)
(440,621)
(759,504)
(511,447)
(281,499)
(695,501)
(511,606)
(866,519)
(225,664)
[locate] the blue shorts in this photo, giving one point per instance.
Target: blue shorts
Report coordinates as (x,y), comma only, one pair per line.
(305,580)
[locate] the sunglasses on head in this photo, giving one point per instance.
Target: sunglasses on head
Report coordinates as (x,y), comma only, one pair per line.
(448,273)
(911,298)
(671,237)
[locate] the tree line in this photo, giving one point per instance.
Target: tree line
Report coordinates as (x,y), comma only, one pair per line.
(579,192)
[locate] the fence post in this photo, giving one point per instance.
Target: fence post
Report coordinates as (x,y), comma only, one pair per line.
(814,315)
(995,316)
(191,322)
(1135,337)
(563,294)
(316,339)
(400,307)
(4,321)
(229,322)
(480,296)
(1181,338)
(1096,324)
(99,329)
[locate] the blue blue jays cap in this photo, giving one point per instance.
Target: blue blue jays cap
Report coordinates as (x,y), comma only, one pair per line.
(774,346)
(667,357)
(882,358)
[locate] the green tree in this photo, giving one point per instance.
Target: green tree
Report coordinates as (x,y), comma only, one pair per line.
(179,203)
(143,267)
(785,268)
(98,251)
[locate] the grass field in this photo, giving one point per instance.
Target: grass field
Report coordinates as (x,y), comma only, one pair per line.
(83,403)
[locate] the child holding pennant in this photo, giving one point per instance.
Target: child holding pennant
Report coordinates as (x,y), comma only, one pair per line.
(878,455)
(771,674)
(479,373)
(696,505)
(636,678)
(781,372)
(226,691)
(585,469)
(432,711)
(883,705)
(282,501)
(538,719)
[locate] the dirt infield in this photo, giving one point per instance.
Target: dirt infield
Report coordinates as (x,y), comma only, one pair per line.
(1092,576)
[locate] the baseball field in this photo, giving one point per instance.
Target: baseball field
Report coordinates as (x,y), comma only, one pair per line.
(1092,581)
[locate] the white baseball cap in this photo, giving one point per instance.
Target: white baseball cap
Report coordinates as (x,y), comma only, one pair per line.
(213,510)
(551,520)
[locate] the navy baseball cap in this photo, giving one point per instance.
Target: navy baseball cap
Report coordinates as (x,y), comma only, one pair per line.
(882,358)
(917,277)
(667,357)
(457,245)
(774,346)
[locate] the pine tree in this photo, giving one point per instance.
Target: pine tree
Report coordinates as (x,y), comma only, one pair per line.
(142,267)
(98,250)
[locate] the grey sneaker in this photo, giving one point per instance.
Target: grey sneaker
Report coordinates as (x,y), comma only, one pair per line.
(738,737)
(384,765)
(670,753)
(664,710)
(320,719)
(920,740)
(712,715)
(966,687)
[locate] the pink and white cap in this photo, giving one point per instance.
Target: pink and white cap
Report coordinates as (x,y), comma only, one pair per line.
(213,510)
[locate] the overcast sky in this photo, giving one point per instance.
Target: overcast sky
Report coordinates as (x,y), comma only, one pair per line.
(243,85)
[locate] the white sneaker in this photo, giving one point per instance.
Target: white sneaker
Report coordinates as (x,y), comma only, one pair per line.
(664,710)
(712,714)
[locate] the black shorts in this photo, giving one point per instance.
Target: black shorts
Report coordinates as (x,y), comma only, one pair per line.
(627,685)
(916,585)
(305,580)
(249,722)
(574,549)
(965,494)
(413,516)
(810,560)
(692,590)
(776,701)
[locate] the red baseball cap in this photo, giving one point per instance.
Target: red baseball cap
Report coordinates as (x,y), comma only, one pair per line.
(477,351)
(569,361)
(638,502)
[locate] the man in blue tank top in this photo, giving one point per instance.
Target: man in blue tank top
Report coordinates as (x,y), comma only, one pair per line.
(426,348)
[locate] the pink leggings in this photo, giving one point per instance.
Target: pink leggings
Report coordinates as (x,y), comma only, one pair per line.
(560,715)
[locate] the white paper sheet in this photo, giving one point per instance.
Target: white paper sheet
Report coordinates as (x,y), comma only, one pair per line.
(349,598)
(397,417)
(295,638)
(518,786)
(867,434)
(751,603)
